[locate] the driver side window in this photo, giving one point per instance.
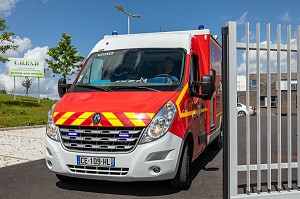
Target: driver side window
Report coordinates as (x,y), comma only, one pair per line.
(194,69)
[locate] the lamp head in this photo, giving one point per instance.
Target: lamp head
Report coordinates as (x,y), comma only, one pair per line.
(120,8)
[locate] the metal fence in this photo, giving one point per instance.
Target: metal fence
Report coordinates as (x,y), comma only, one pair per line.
(268,164)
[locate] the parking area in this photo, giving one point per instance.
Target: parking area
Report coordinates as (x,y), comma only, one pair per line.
(24,174)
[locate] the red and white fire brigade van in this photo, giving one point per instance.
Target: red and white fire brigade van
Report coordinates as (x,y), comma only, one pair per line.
(142,108)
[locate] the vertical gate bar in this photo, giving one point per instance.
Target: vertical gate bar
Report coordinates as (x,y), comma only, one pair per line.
(269,161)
(298,103)
(226,135)
(232,93)
(279,105)
(247,105)
(289,107)
(258,105)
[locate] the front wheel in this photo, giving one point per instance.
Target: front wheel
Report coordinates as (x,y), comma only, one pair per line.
(182,178)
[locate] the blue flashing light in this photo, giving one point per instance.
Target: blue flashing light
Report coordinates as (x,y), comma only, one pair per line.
(200,27)
(124,134)
(72,134)
(114,32)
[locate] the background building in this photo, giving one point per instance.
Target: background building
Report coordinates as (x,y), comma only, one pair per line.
(263,92)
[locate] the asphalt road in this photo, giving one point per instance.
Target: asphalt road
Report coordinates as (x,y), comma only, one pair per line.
(241,151)
(34,180)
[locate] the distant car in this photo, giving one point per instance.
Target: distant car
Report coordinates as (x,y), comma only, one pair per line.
(242,110)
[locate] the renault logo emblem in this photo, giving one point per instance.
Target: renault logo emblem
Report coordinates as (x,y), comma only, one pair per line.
(96,118)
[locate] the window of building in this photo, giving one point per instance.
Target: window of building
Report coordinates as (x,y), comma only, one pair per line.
(273,101)
(284,85)
(293,87)
(263,101)
(253,85)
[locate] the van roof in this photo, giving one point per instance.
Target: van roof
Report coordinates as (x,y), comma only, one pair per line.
(176,39)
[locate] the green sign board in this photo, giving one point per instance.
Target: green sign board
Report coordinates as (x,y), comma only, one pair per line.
(21,67)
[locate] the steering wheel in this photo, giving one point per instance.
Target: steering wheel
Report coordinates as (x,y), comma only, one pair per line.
(164,75)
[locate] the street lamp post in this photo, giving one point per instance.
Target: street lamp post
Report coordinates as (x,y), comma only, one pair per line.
(120,8)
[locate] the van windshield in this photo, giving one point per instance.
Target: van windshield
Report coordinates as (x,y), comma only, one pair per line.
(133,69)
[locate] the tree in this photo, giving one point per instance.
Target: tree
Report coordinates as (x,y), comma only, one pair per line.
(27,84)
(64,60)
(6,41)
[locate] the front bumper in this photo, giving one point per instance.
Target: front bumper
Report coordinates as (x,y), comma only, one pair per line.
(137,165)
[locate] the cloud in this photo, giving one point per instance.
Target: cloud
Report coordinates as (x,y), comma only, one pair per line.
(241,70)
(37,53)
(285,17)
(251,37)
(45,1)
(242,19)
(6,6)
(48,84)
(225,18)
(24,44)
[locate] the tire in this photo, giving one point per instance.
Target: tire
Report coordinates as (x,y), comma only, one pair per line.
(64,178)
(182,178)
(241,113)
(217,143)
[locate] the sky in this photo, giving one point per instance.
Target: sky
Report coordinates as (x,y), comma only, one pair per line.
(39,24)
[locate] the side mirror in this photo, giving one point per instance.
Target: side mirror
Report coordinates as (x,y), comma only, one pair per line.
(62,87)
(208,87)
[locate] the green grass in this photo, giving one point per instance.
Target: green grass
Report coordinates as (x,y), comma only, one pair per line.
(24,111)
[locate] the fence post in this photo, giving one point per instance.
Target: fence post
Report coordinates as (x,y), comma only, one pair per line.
(226,151)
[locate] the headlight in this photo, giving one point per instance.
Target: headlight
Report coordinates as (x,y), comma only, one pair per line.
(160,124)
(52,130)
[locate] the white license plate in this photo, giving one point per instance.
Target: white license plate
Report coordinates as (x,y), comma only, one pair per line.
(96,161)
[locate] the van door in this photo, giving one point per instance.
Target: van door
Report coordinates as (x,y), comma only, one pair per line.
(213,107)
(199,125)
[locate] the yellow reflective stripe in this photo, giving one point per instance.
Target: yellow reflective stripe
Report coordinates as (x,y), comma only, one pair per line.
(78,121)
(137,122)
(63,118)
(219,114)
(55,113)
(130,115)
(151,115)
(203,110)
(86,115)
(82,118)
(189,113)
(115,122)
(179,99)
(112,119)
(134,118)
(181,95)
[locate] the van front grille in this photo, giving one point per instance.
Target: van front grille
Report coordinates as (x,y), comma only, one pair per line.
(98,170)
(99,140)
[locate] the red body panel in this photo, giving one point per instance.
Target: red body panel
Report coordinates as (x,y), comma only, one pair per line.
(112,106)
(113,101)
(132,108)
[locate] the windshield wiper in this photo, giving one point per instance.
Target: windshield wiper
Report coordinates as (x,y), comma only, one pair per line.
(133,87)
(92,87)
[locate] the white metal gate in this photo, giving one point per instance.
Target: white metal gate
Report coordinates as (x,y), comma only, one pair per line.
(267,163)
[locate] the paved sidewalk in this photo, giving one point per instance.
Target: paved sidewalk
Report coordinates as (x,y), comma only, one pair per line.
(21,145)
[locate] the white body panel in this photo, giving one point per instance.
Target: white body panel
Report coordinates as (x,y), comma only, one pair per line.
(180,39)
(163,152)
